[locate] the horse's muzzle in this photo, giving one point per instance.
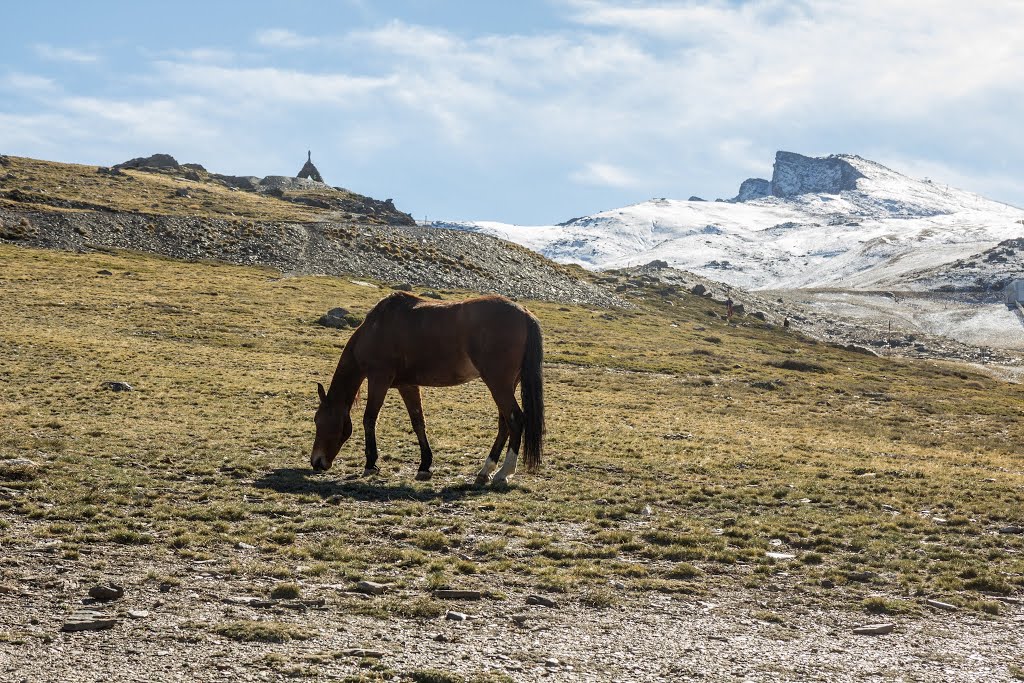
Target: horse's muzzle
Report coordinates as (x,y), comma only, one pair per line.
(319,463)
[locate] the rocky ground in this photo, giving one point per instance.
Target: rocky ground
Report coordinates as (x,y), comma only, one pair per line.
(425,257)
(168,631)
(926,325)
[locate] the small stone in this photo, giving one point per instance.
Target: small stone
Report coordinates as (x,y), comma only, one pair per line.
(1012,529)
(827,583)
(138,613)
(241,545)
(106,593)
(371,588)
(457,595)
(103,272)
(166,586)
(116,386)
(647,511)
(520,619)
(552,662)
(779,556)
(938,604)
(452,615)
(874,629)
(618,585)
(441,638)
(88,620)
(540,600)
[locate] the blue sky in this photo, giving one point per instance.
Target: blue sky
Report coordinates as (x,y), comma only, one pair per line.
(529,112)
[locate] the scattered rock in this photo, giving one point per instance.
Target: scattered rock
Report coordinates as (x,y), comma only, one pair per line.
(552,662)
(402,287)
(937,604)
(116,386)
(540,600)
(138,613)
(88,620)
(339,318)
(1012,529)
(457,594)
(520,619)
(182,192)
(779,556)
(431,294)
(106,592)
(874,629)
(103,272)
(18,462)
(371,588)
(241,545)
(452,615)
(441,638)
(647,511)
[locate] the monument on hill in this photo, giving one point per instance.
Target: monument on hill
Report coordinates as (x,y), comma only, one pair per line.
(309,170)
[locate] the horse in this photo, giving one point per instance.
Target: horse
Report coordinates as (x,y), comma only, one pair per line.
(407,342)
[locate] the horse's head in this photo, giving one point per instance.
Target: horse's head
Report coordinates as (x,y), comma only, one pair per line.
(333,427)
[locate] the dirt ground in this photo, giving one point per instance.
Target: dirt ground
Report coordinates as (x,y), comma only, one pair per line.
(773,633)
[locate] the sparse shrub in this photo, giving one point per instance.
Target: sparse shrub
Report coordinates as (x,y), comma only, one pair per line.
(288,590)
(263,631)
(799,366)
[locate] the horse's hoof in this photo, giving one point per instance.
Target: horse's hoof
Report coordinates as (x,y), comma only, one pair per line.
(482,479)
(371,471)
(499,483)
(424,475)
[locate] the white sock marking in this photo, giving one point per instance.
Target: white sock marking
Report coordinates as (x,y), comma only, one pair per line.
(508,467)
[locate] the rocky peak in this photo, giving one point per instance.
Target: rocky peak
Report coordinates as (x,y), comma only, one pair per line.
(753,188)
(795,174)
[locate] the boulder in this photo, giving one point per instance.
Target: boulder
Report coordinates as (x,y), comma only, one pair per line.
(157,161)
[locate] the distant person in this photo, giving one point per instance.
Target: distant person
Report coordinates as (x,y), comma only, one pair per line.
(785,323)
(728,308)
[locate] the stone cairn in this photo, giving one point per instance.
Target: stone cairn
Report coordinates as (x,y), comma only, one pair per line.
(309,170)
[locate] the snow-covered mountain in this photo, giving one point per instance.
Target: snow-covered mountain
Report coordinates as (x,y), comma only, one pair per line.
(837,221)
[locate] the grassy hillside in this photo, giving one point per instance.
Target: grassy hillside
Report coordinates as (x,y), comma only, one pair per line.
(680,450)
(33,184)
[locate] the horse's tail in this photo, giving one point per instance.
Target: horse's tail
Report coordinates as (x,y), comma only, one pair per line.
(532,374)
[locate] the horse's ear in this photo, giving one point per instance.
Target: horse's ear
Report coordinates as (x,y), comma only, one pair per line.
(320,390)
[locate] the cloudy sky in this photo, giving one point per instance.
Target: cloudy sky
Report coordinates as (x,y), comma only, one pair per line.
(528,112)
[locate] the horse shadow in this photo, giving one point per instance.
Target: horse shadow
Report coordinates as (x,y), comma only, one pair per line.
(305,481)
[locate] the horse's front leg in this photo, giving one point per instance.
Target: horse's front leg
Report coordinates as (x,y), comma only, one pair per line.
(376,390)
(411,395)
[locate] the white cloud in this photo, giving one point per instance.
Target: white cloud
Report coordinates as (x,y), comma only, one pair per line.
(285,39)
(604,175)
(65,54)
(28,83)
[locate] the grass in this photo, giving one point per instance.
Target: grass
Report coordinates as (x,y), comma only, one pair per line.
(666,469)
(263,631)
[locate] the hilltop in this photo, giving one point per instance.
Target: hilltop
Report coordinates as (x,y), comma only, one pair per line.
(298,225)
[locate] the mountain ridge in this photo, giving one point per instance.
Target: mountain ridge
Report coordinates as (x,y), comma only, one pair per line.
(836,221)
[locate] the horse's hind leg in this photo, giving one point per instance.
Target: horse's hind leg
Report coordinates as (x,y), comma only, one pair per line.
(512,416)
(508,466)
(411,396)
(491,461)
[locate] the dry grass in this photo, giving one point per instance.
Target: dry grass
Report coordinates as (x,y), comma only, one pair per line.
(49,185)
(666,469)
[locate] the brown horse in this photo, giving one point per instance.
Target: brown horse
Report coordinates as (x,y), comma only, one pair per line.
(407,342)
